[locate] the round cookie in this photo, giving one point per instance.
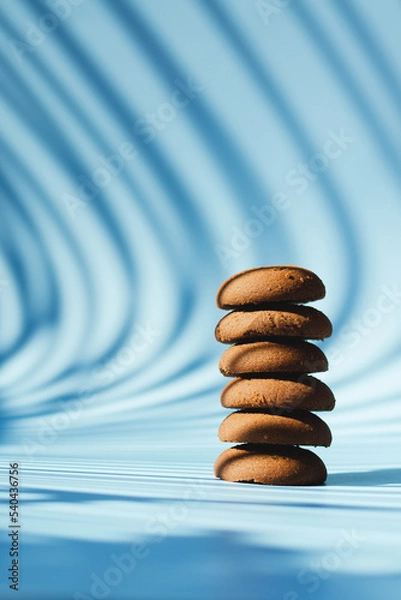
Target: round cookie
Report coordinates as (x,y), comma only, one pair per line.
(299,427)
(294,356)
(269,284)
(285,320)
(284,393)
(272,465)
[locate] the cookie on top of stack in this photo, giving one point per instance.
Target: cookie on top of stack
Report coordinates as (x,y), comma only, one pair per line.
(273,392)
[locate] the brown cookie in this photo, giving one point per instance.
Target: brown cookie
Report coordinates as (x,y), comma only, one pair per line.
(285,320)
(270,284)
(273,465)
(286,356)
(279,393)
(299,427)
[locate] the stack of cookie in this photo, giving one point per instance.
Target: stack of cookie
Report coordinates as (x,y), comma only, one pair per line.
(273,391)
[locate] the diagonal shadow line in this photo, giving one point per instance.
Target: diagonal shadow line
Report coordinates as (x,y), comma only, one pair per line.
(270,87)
(241,177)
(85,121)
(53,311)
(53,136)
(298,132)
(320,37)
(18,166)
(388,76)
(187,305)
(362,33)
(124,115)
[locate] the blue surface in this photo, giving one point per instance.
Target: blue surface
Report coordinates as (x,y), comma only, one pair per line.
(148,151)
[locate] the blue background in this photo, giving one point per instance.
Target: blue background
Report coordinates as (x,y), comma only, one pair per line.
(148,151)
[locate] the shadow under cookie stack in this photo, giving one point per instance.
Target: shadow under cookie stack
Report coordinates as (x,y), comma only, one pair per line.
(273,392)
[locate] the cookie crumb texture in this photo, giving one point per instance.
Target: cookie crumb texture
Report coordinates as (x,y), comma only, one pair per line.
(270,284)
(299,427)
(273,390)
(272,465)
(278,392)
(273,357)
(292,321)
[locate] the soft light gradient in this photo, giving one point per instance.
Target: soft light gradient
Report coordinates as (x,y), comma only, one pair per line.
(150,149)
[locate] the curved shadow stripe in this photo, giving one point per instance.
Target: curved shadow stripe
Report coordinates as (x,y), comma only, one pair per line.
(287,114)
